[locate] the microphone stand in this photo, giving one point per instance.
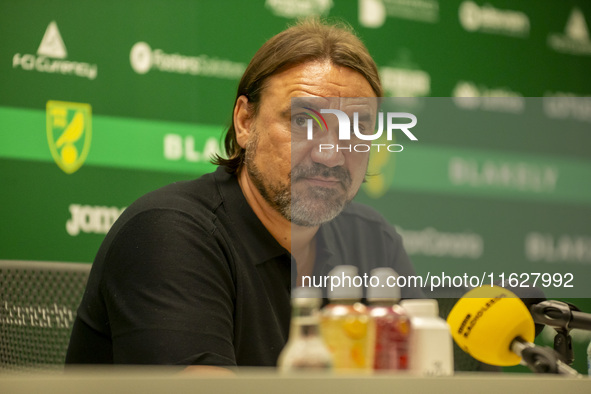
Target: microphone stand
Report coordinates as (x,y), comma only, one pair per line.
(563,317)
(541,359)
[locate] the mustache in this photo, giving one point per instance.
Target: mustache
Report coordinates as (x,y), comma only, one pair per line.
(320,170)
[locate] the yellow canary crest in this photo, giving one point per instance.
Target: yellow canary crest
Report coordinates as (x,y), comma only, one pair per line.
(381,171)
(69,132)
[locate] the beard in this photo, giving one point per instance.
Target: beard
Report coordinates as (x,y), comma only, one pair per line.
(309,206)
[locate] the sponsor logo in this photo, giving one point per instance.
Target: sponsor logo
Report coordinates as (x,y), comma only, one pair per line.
(373,13)
(52,44)
(382,167)
(69,132)
(298,8)
(144,59)
(435,243)
(575,39)
(140,57)
(403,78)
(469,96)
(404,82)
(91,219)
(400,82)
(558,249)
(488,19)
(177,147)
(519,176)
(52,57)
(561,105)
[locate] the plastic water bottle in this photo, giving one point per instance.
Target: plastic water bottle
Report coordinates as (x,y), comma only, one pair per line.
(431,347)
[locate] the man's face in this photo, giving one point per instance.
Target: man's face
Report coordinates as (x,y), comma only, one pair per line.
(306,185)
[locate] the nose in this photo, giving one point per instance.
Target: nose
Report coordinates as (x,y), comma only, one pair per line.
(326,149)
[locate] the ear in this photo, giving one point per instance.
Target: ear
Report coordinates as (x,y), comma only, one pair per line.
(243,121)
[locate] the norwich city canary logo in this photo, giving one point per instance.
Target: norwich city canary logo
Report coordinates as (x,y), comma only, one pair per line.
(69,133)
(380,169)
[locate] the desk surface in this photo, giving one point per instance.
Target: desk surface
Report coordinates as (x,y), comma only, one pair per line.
(159,380)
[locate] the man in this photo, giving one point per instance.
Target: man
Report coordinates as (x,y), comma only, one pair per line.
(200,272)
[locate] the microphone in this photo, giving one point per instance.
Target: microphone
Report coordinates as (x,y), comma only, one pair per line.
(495,327)
(560,315)
(530,296)
(553,313)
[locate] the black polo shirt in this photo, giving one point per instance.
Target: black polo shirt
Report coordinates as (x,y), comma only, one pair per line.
(189,275)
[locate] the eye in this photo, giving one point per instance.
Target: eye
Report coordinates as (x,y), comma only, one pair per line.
(363,128)
(300,120)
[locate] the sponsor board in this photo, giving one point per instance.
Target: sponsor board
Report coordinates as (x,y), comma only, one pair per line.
(52,57)
(373,13)
(143,144)
(575,39)
(144,59)
(69,132)
(488,19)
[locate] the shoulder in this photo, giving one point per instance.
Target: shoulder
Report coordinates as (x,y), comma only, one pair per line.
(177,222)
(161,246)
(186,196)
(181,202)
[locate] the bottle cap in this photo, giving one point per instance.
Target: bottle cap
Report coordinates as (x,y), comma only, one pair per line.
(421,308)
(383,292)
(342,286)
(306,296)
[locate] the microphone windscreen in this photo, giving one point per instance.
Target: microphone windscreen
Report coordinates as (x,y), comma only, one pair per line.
(486,320)
(529,295)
